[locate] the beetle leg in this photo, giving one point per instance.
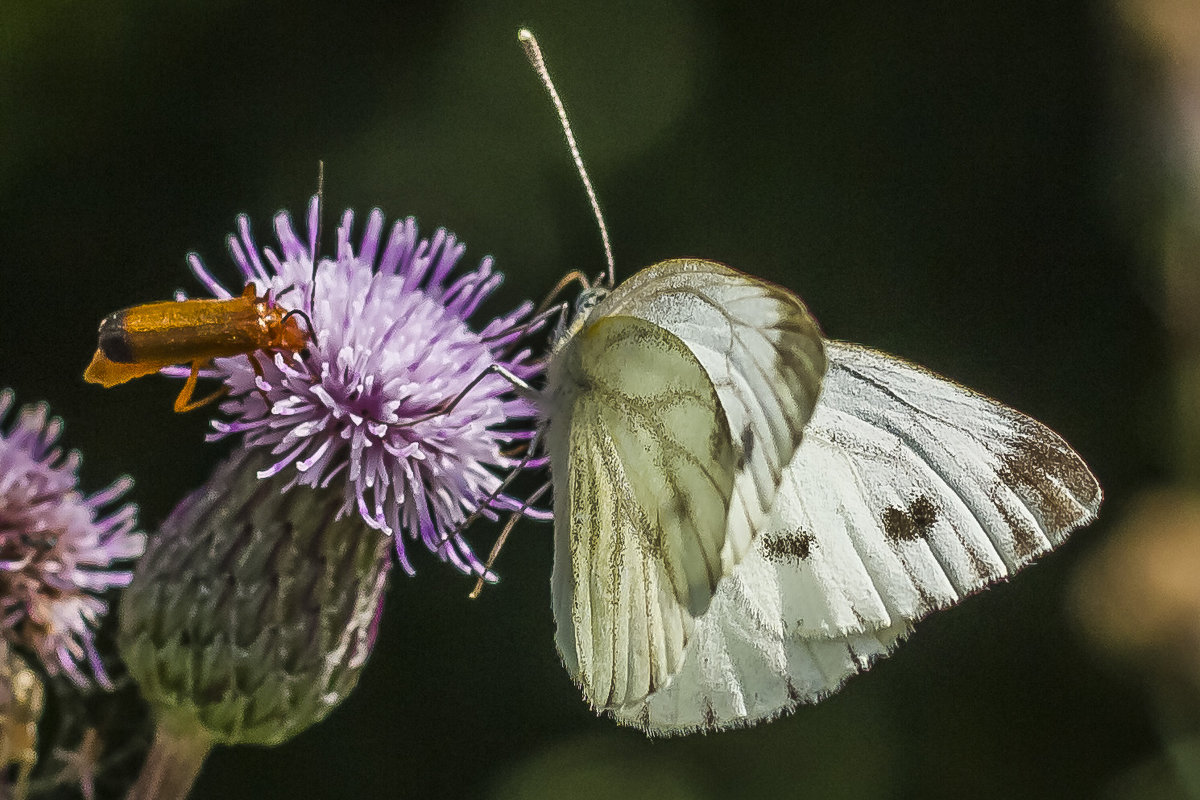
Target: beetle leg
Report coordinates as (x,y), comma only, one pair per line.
(184,402)
(256,365)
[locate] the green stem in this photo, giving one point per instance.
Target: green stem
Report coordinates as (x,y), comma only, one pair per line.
(172,764)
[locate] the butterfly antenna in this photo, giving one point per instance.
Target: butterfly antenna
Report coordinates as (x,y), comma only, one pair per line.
(534,54)
(571,277)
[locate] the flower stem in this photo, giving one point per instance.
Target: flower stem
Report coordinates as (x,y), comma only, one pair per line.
(172,764)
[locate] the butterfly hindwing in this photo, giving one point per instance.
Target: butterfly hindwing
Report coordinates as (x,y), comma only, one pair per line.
(746,664)
(649,467)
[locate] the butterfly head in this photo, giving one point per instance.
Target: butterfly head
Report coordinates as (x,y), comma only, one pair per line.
(588,299)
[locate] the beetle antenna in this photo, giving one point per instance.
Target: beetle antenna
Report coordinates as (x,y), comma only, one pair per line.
(296,312)
(534,54)
(312,290)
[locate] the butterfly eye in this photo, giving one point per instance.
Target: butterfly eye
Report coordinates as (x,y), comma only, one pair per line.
(588,300)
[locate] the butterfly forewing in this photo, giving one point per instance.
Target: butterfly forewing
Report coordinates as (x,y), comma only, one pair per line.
(907,493)
(1046,479)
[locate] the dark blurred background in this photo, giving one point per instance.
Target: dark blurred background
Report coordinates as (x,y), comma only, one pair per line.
(975,186)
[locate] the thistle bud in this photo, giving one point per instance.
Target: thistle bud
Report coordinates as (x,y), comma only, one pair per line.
(254,609)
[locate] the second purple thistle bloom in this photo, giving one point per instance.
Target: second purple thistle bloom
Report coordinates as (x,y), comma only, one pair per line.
(392,343)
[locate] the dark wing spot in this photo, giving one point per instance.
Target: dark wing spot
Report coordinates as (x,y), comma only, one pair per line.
(912,523)
(898,525)
(710,716)
(923,513)
(747,448)
(793,693)
(795,546)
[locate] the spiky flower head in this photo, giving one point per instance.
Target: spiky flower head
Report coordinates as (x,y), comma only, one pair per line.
(392,346)
(253,611)
(59,549)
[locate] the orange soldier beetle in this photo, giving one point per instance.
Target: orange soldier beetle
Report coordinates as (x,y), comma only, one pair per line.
(140,340)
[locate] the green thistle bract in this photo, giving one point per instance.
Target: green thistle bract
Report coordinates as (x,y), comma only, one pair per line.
(253,610)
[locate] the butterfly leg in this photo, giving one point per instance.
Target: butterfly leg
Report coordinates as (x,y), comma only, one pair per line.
(503,537)
(533,323)
(493,369)
(548,309)
(184,402)
(486,503)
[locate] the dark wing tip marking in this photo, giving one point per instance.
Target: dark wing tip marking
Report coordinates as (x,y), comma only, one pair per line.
(1060,484)
(1027,540)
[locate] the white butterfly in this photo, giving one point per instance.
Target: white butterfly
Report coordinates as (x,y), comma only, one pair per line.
(747,514)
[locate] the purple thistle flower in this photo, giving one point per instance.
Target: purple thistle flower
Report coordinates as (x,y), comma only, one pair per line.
(57,547)
(392,345)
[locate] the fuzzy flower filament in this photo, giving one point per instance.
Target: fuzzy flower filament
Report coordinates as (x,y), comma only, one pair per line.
(392,345)
(59,549)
